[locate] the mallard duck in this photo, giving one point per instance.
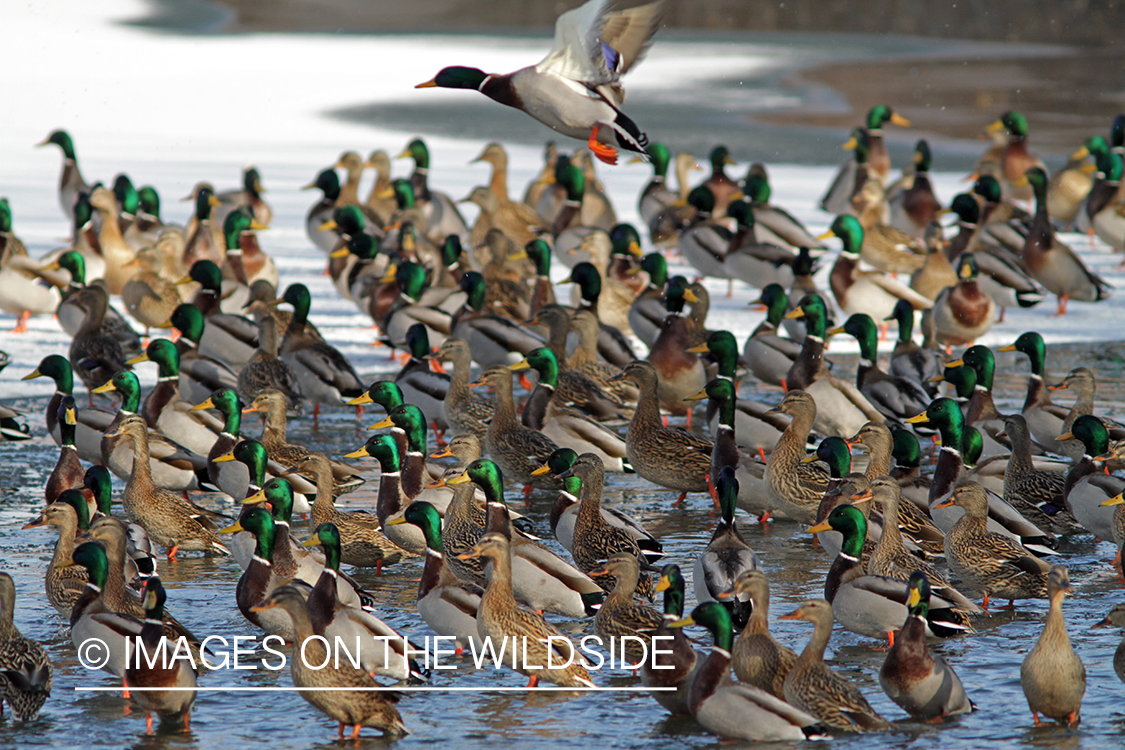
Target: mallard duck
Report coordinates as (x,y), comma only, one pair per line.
(875,605)
(811,686)
(890,557)
(850,177)
(366,706)
(988,560)
(773,223)
(1053,264)
(1116,618)
(273,404)
(805,268)
(511,216)
(410,306)
(620,619)
(1083,382)
(982,412)
(658,201)
(149,296)
(665,456)
(753,259)
(204,235)
(909,360)
(170,521)
(259,579)
(447,604)
(586,360)
(245,258)
(408,424)
(581,380)
(440,212)
(963,312)
(499,618)
(68,472)
(757,657)
(26,680)
(769,354)
(795,487)
(738,711)
(916,679)
(64,584)
(171,465)
(27,286)
(382,650)
(564,425)
(200,374)
(266,369)
(227,337)
(936,273)
(518,450)
(392,497)
(677,665)
(1038,494)
(576,89)
(595,539)
(165,685)
(565,511)
(541,579)
(1103,206)
(325,375)
(364,544)
(726,557)
(1052,676)
(894,397)
(1087,487)
(328,182)
(864,291)
(71,312)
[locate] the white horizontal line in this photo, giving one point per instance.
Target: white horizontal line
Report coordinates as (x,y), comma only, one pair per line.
(389,689)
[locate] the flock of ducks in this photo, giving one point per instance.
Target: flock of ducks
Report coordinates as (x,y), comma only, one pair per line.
(911,550)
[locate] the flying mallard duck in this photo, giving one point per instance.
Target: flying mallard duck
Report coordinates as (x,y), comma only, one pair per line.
(576,89)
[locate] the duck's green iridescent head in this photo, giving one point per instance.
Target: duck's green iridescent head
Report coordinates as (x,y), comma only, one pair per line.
(62,139)
(660,157)
(775,301)
(298,296)
(903,315)
(1093,434)
(253,454)
(238,222)
(625,240)
(1014,122)
(328,182)
(205,200)
(189,321)
(327,537)
(715,617)
(418,340)
(5,216)
(386,394)
(672,584)
(475,289)
(849,521)
(757,188)
(837,454)
(742,213)
(348,219)
(656,266)
(850,232)
(417,151)
(410,419)
(411,279)
(76,500)
(150,201)
(485,473)
(544,362)
(426,517)
(571,178)
(863,328)
(92,557)
(258,521)
(126,383)
(166,356)
(720,157)
(365,247)
(252,181)
(1030,343)
(126,195)
(944,414)
(100,483)
(907,452)
(384,449)
(83,212)
(451,251)
(207,274)
(675,294)
(561,459)
(225,401)
(980,358)
(881,114)
(922,157)
(68,420)
(988,187)
(153,598)
(702,199)
(73,263)
(589,282)
(456,77)
(723,348)
(1110,167)
(403,193)
(963,379)
(966,208)
(813,313)
(57,368)
(972,445)
(540,254)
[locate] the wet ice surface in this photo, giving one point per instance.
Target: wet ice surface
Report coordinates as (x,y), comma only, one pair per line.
(140,102)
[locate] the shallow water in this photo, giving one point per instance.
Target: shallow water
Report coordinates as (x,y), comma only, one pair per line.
(201,590)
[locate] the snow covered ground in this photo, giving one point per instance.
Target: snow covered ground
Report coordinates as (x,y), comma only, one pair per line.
(171,110)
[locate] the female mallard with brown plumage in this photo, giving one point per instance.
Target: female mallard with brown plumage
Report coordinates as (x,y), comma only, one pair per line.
(757,657)
(25,668)
(1052,675)
(796,488)
(619,615)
